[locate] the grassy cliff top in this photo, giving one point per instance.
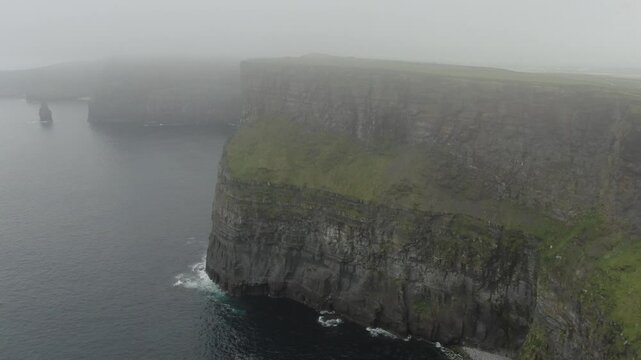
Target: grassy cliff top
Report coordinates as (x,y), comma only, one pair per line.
(627,86)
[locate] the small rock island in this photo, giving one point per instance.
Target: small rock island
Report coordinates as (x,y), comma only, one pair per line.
(45,113)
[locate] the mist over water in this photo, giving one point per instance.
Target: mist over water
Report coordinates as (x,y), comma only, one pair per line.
(102,234)
(549,33)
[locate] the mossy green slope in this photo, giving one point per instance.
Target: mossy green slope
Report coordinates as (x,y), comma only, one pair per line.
(597,264)
(282,151)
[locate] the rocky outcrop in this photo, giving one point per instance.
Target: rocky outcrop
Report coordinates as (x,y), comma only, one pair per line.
(462,205)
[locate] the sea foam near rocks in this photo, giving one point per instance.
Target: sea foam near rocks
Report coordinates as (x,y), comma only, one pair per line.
(197,279)
(329,319)
(376,332)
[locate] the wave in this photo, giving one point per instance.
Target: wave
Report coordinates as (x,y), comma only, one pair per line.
(331,322)
(329,319)
(376,332)
(197,279)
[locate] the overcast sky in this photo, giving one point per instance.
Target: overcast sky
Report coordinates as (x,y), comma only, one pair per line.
(517,33)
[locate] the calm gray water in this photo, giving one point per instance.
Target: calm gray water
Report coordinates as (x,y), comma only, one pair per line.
(102,235)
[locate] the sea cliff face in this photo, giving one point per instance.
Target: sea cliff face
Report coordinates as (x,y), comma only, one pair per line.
(440,276)
(461,205)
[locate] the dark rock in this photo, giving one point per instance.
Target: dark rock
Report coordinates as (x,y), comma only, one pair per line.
(45,113)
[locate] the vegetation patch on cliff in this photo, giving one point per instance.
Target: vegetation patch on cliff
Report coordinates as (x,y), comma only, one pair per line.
(281,151)
(594,266)
(401,176)
(622,275)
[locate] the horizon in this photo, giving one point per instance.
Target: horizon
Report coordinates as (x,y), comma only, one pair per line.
(608,71)
(499,33)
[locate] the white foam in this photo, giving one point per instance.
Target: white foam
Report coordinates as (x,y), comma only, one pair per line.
(380,332)
(327,312)
(197,279)
(331,322)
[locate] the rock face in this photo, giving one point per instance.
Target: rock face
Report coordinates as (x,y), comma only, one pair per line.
(477,185)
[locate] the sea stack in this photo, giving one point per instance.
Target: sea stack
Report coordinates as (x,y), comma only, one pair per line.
(45,113)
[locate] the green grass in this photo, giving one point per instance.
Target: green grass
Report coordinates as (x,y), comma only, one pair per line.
(622,271)
(598,263)
(280,151)
(534,347)
(283,152)
(627,86)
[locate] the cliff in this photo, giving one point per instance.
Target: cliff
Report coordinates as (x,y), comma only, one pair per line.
(143,91)
(463,205)
(66,81)
(167,92)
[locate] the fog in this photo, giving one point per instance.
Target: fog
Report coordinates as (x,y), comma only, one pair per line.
(511,33)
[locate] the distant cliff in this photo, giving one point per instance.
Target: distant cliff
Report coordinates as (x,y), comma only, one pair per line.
(167,92)
(464,205)
(145,91)
(67,81)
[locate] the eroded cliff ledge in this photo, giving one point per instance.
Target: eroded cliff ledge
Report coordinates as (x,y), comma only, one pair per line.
(463,205)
